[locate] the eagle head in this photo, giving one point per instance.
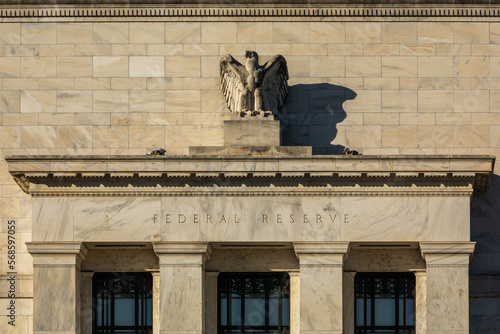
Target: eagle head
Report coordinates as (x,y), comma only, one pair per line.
(252,54)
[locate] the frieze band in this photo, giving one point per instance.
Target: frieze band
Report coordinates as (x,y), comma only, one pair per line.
(318,13)
(360,193)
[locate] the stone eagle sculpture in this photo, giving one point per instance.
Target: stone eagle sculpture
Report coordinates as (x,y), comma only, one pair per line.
(251,89)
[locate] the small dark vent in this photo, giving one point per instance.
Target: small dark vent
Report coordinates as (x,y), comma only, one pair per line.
(121,246)
(384,246)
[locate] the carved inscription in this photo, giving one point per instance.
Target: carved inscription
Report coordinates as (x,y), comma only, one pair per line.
(266,218)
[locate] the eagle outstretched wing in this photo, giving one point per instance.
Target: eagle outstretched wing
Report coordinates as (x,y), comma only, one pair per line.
(233,80)
(274,85)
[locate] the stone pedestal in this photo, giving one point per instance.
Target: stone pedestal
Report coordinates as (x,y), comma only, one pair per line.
(56,294)
(447,295)
(182,286)
(251,135)
(252,131)
(321,277)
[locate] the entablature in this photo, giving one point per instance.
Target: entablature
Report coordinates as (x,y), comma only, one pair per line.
(439,175)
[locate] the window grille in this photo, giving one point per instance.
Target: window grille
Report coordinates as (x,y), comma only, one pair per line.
(385,303)
(253,303)
(122,303)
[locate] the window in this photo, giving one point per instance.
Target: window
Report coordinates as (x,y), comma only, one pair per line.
(385,303)
(122,303)
(253,303)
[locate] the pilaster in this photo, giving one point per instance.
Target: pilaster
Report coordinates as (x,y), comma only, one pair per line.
(294,302)
(86,304)
(447,295)
(182,286)
(321,277)
(156,301)
(348,302)
(56,294)
(211,301)
(420,301)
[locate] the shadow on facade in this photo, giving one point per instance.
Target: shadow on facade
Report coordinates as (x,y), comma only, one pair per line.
(311,114)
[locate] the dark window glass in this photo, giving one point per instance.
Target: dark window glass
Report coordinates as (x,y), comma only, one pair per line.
(385,303)
(122,303)
(254,303)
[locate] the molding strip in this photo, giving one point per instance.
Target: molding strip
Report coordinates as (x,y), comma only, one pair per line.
(317,12)
(311,193)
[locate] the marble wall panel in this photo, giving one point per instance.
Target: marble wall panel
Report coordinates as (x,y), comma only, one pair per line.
(449,219)
(384,218)
(53,219)
(116,219)
(323,221)
(11,33)
(38,33)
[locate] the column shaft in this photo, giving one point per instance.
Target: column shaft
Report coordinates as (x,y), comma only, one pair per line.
(211,302)
(447,295)
(56,292)
(294,302)
(156,302)
(321,277)
(348,307)
(420,302)
(182,286)
(86,302)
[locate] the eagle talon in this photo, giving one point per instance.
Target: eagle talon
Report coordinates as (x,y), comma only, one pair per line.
(244,113)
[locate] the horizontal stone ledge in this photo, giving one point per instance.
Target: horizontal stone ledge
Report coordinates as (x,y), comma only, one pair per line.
(78,172)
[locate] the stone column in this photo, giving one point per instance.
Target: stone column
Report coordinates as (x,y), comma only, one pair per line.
(156,301)
(420,301)
(211,302)
(321,277)
(294,302)
(447,295)
(348,307)
(56,290)
(86,298)
(182,286)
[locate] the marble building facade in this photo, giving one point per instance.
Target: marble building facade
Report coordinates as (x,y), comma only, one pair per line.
(87,91)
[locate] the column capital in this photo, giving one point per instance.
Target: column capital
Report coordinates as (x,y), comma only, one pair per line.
(447,253)
(212,273)
(321,253)
(182,252)
(57,252)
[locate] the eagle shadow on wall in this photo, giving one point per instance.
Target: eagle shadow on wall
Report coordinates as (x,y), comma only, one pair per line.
(309,113)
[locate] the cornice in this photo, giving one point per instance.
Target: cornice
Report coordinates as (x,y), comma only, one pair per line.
(251,175)
(168,11)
